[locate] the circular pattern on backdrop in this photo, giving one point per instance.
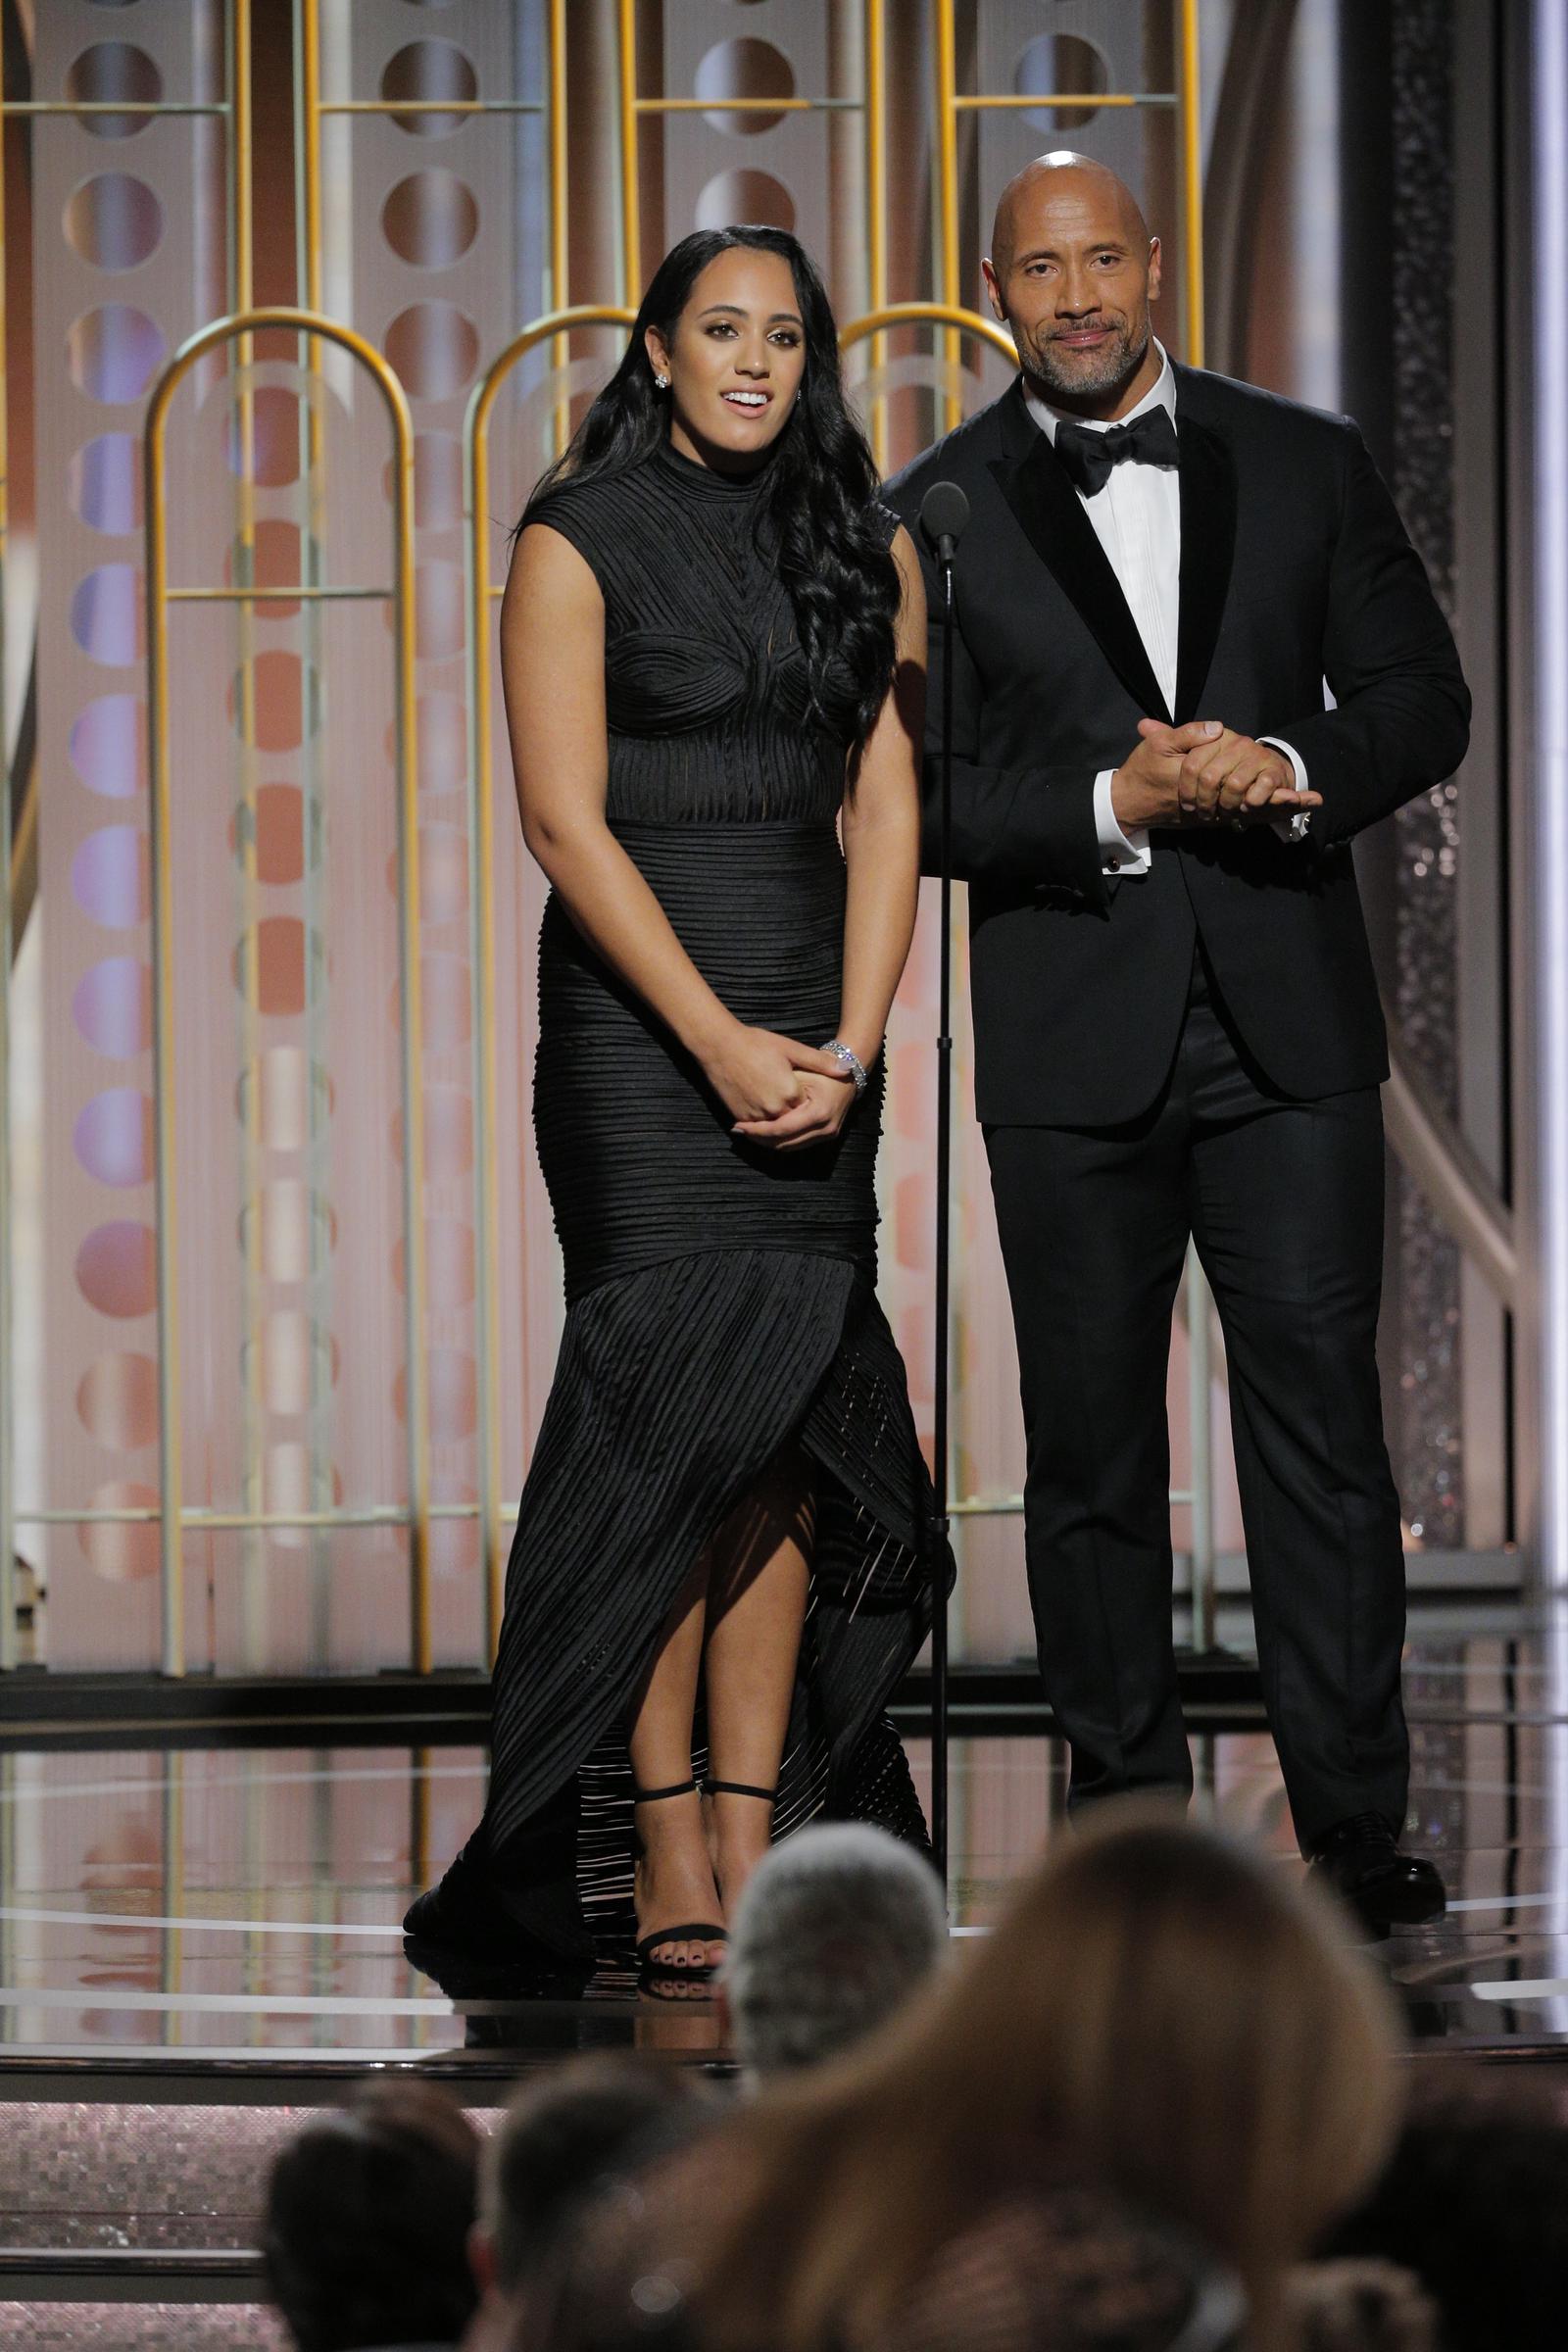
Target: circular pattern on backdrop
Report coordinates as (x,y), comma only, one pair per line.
(117,1268)
(114,222)
(275,438)
(298,1361)
(271,823)
(743,68)
(438,611)
(103,481)
(116,1402)
(455,1542)
(108,877)
(1060,60)
(113,352)
(443,873)
(109,746)
(110,70)
(287,698)
(441,737)
(288,1098)
(288,1485)
(283,963)
(448,1262)
(437,482)
(433,348)
(297,1230)
(121,1555)
(274,559)
(430,219)
(750,196)
(113,1138)
(448,1010)
(113,1005)
(447,1134)
(427,69)
(452,1383)
(106,615)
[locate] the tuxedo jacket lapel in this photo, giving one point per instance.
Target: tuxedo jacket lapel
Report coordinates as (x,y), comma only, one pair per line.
(1208,544)
(1036,486)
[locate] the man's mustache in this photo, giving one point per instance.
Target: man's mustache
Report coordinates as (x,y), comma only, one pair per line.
(1081,326)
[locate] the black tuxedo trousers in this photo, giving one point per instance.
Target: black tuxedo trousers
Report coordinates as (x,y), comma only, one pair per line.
(1285,1200)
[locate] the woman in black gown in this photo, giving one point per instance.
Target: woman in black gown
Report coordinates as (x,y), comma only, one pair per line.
(712,641)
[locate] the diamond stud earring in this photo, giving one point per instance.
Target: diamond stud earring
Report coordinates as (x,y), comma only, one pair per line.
(661,383)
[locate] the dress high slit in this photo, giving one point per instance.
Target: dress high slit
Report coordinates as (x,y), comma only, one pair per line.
(721,1297)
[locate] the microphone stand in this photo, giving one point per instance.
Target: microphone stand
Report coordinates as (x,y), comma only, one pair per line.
(944,512)
(940,1514)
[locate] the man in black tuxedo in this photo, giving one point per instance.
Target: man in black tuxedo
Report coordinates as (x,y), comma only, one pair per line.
(1177,1028)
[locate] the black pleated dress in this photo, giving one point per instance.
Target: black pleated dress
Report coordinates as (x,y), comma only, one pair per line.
(720,1298)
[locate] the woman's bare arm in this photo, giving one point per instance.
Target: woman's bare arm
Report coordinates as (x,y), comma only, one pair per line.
(882,853)
(552,676)
(882,832)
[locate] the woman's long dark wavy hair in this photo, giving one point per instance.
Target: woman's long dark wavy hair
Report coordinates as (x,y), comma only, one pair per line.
(841,579)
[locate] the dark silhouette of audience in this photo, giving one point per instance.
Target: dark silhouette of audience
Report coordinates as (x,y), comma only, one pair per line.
(1160,2107)
(365,2235)
(1119,2121)
(1474,2201)
(568,2140)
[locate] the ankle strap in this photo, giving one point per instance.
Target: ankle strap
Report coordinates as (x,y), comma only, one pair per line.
(737,1788)
(651,1796)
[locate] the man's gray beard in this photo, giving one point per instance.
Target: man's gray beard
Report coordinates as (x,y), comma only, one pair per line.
(1112,366)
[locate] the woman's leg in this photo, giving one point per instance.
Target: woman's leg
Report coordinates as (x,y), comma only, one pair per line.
(674,1879)
(756,1610)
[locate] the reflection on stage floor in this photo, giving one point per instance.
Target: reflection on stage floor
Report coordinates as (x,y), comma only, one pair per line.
(224,1904)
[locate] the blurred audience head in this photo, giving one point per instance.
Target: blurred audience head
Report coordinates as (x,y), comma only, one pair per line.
(1474,2200)
(835,1928)
(365,2229)
(1172,2019)
(566,2140)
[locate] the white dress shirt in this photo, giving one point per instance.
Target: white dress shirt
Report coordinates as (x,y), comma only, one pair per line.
(1136,518)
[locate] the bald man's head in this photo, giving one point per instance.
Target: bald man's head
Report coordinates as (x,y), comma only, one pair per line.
(1072,270)
(1061,174)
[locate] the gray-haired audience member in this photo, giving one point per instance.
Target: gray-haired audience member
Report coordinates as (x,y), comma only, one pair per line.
(835,1928)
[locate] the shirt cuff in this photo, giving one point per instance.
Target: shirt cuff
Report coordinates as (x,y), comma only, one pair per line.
(1296,825)
(1120,853)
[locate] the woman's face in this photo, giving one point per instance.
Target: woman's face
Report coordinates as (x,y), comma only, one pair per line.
(734,359)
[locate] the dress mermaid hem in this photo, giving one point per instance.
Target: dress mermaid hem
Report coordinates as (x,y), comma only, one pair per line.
(677,1388)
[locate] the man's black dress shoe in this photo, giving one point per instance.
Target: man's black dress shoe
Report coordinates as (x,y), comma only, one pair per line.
(1360,1857)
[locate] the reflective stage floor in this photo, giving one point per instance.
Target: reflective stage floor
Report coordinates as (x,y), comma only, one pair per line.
(176,1904)
(196,1938)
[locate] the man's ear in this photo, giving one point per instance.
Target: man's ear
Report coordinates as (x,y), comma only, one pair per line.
(481,2257)
(994,290)
(1154,259)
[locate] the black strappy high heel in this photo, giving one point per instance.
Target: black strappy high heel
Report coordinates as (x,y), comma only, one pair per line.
(712,1788)
(702,1931)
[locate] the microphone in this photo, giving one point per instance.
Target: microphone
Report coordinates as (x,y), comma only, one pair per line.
(944,512)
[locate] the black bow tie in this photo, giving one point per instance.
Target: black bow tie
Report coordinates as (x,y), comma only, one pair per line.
(1149,440)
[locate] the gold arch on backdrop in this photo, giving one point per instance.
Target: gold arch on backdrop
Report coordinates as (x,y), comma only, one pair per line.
(173,1515)
(233,109)
(553,328)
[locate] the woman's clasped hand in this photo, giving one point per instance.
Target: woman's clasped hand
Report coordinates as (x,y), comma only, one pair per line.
(782,1093)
